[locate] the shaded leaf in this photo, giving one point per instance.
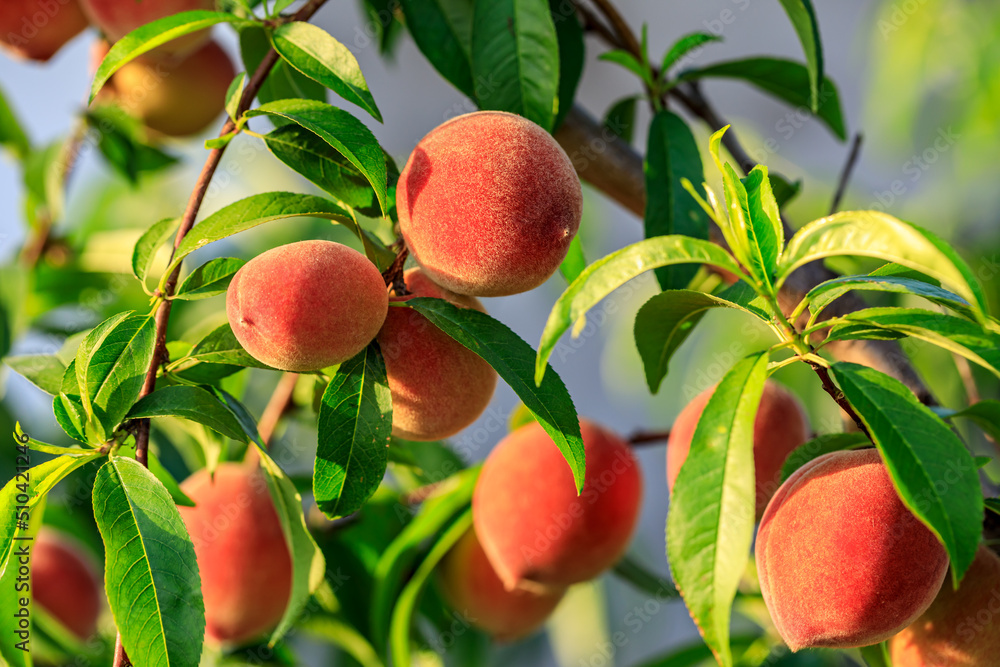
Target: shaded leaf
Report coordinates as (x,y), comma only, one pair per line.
(209,279)
(45,371)
(442,30)
(192,403)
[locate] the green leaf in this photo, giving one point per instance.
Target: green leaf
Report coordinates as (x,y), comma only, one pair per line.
(572,54)
(442,30)
(314,52)
(256,210)
(993,504)
(340,633)
(148,244)
(396,561)
(784,190)
(355,423)
(512,358)
(284,82)
(111,365)
(45,371)
(193,403)
(12,134)
(672,154)
(803,18)
(20,518)
(788,81)
(643,580)
(169,483)
(876,655)
(750,206)
(221,347)
(986,415)
(878,235)
(151,573)
(515,58)
(149,36)
(820,445)
(209,279)
(611,272)
(667,319)
(406,604)
(68,406)
(694,655)
(683,46)
(123,142)
(629,62)
(234,95)
(827,292)
(620,119)
(710,523)
(345,133)
(930,467)
(575,262)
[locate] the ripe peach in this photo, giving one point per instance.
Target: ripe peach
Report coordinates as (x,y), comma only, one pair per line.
(65,582)
(307,305)
(176,96)
(37,29)
(781,426)
(472,588)
(245,566)
(438,385)
(488,204)
(842,561)
(537,532)
(961,628)
(117,18)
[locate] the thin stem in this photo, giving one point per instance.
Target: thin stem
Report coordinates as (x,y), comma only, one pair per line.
(281,401)
(626,37)
(640,438)
(121,659)
(393,276)
(838,396)
(845,174)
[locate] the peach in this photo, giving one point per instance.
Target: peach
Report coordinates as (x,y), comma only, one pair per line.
(537,532)
(65,582)
(117,18)
(781,426)
(176,96)
(472,588)
(438,385)
(245,565)
(842,562)
(307,305)
(37,29)
(488,204)
(961,628)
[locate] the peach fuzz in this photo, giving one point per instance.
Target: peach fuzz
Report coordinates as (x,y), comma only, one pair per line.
(842,562)
(66,582)
(117,18)
(471,587)
(438,385)
(37,29)
(245,565)
(781,426)
(488,204)
(307,305)
(535,529)
(961,628)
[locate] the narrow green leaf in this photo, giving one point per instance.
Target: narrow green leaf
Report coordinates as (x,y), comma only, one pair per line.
(684,46)
(345,133)
(355,423)
(209,279)
(876,655)
(572,54)
(235,95)
(671,155)
(644,581)
(151,573)
(668,318)
(627,61)
(695,655)
(12,134)
(149,243)
(930,467)
(515,58)
(339,632)
(149,36)
(710,523)
(620,119)
(123,141)
(820,445)
(169,483)
(755,229)
(784,190)
(803,18)
(314,52)
(827,292)
(45,371)
(879,235)
(575,262)
(193,403)
(284,82)
(986,415)
(511,357)
(221,347)
(611,272)
(789,81)
(442,30)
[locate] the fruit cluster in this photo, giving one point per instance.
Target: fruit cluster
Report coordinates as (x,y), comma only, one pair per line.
(177,89)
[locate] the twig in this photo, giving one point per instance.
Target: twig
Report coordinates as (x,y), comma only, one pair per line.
(648,437)
(626,37)
(280,403)
(838,396)
(393,276)
(968,379)
(845,174)
(121,660)
(594,24)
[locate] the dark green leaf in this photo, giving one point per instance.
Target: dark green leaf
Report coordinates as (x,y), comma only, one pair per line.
(572,53)
(684,46)
(314,52)
(803,18)
(12,135)
(284,82)
(169,483)
(629,62)
(788,81)
(711,518)
(672,154)
(876,655)
(820,445)
(515,58)
(694,655)
(643,580)
(784,190)
(442,30)
(930,467)
(620,119)
(986,415)
(512,359)
(993,504)
(149,243)
(209,279)
(345,133)
(826,293)
(355,423)
(122,140)
(235,95)
(45,371)
(192,403)
(151,573)
(611,272)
